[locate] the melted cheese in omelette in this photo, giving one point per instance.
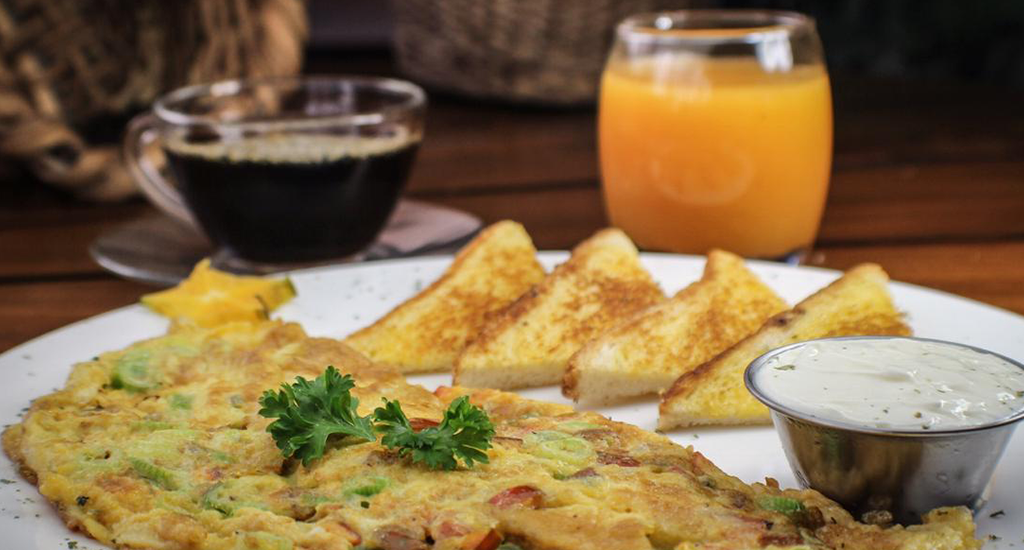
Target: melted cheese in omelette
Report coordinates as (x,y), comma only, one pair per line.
(160,446)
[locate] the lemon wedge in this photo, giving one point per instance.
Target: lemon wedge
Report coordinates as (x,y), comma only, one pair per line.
(209,297)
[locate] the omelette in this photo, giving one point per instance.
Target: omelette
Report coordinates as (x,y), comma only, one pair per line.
(160,446)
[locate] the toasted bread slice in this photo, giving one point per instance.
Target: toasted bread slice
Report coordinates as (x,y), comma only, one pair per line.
(649,351)
(427,332)
(858,303)
(529,343)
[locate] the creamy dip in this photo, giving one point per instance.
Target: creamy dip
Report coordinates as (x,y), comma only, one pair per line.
(896,383)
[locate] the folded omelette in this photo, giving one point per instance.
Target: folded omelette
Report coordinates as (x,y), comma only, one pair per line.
(160,446)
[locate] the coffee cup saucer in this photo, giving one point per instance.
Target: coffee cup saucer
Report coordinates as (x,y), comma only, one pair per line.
(160,250)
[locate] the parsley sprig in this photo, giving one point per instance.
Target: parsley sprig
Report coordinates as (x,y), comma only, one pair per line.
(309,413)
(465,432)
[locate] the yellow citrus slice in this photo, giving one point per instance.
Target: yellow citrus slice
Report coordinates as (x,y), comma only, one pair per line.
(209,297)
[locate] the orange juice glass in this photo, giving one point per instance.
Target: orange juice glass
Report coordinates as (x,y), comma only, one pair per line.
(715,131)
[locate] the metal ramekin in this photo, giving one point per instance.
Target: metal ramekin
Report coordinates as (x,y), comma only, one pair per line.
(871,471)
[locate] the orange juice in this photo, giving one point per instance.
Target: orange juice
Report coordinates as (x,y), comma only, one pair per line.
(701,152)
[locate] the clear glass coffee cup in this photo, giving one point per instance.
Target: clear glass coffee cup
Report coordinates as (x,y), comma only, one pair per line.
(283,170)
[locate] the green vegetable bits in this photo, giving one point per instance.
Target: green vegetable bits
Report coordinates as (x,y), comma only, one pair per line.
(132,372)
(180,401)
(227,497)
(782,505)
(138,369)
(153,473)
(566,453)
(367,486)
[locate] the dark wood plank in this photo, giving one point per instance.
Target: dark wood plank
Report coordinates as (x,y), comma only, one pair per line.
(962,201)
(926,204)
(878,123)
(56,249)
(889,121)
(928,180)
(49,210)
(903,204)
(989,272)
(555,218)
(34,309)
(903,173)
(878,120)
(478,147)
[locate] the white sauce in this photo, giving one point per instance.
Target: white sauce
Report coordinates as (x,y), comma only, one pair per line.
(894,383)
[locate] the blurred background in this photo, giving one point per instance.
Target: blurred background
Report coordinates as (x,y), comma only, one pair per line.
(938,40)
(927,176)
(73,73)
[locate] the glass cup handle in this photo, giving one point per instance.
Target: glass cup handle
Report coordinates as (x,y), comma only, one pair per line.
(142,133)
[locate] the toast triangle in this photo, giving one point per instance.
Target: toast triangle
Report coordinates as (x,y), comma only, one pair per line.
(649,351)
(529,343)
(427,332)
(858,303)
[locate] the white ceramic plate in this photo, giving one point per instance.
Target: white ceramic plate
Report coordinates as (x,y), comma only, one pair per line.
(335,301)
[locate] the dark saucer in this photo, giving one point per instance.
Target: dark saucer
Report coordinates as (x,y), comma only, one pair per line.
(159,250)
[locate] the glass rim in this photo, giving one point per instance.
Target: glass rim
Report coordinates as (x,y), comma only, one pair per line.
(414,98)
(719,26)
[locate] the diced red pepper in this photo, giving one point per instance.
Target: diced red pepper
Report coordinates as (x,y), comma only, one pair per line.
(585,472)
(420,424)
(624,461)
(451,529)
(778,539)
(520,495)
(491,541)
(353,538)
(401,539)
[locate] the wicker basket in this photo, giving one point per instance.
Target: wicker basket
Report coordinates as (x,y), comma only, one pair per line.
(67,65)
(537,51)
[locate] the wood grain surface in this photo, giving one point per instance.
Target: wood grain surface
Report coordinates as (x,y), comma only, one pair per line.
(928,180)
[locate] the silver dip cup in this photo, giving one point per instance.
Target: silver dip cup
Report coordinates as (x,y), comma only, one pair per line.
(881,475)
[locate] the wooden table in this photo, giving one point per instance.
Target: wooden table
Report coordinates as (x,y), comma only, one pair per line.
(928,181)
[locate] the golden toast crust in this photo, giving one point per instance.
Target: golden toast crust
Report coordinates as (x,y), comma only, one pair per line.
(858,303)
(601,283)
(646,352)
(426,332)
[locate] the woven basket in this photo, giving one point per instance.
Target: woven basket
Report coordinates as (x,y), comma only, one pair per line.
(68,65)
(536,51)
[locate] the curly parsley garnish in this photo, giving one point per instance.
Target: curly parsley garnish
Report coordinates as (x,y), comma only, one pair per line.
(465,432)
(309,413)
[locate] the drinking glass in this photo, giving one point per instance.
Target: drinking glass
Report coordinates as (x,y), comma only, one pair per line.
(280,171)
(715,131)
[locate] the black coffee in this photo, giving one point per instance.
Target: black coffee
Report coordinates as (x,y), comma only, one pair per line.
(292,198)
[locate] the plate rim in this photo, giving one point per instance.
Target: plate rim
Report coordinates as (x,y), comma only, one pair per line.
(549,257)
(544,254)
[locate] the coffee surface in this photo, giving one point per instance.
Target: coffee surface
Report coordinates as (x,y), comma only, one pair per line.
(290,148)
(292,197)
